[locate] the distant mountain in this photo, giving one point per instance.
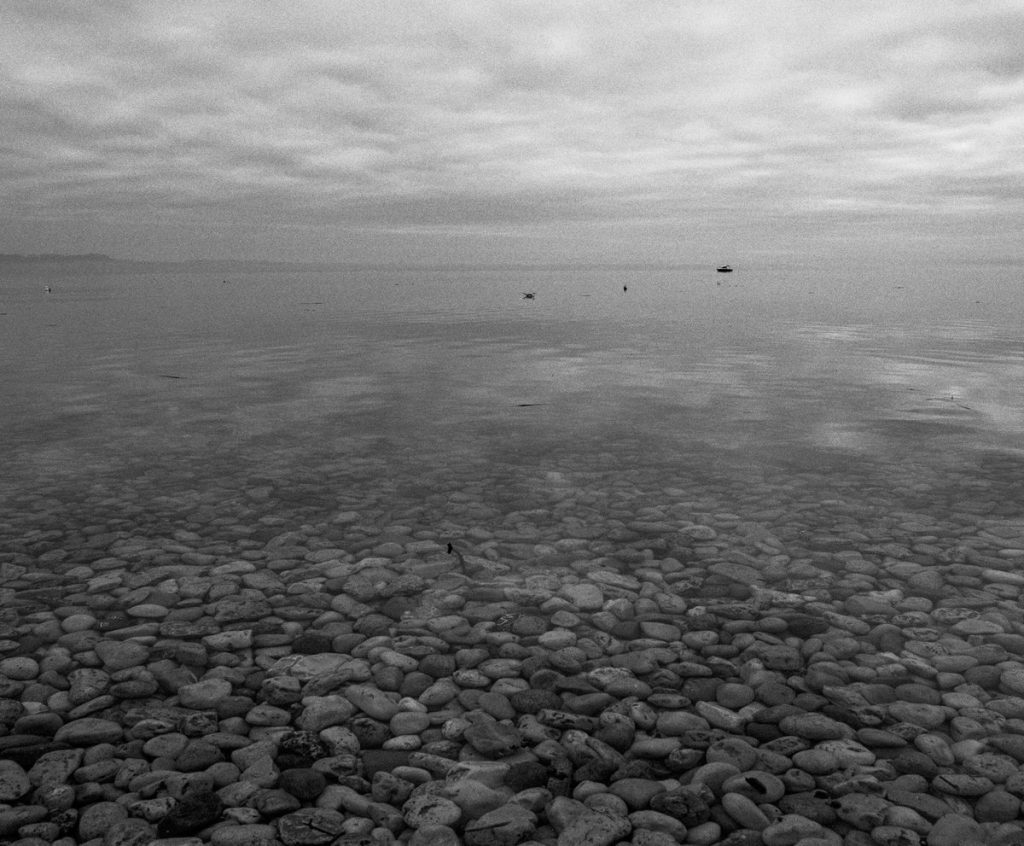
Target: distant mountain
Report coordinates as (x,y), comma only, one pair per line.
(51,257)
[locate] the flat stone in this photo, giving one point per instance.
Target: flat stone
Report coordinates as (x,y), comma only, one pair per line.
(148,611)
(120,655)
(962,784)
(918,714)
(129,832)
(14,781)
(309,667)
(504,826)
(744,812)
(86,684)
(55,767)
(88,731)
(637,793)
(426,810)
(593,829)
(204,695)
(372,702)
(12,819)
(584,596)
(191,814)
(1012,680)
(493,739)
(660,631)
(814,727)
(310,827)
(955,830)
(792,828)
(247,834)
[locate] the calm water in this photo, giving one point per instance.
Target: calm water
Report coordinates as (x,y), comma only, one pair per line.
(444,401)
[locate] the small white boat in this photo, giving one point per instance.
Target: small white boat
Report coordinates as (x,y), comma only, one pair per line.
(725,269)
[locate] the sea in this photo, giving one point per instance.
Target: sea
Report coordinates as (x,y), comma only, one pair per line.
(359,404)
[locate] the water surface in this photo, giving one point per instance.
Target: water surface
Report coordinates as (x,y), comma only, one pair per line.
(445,401)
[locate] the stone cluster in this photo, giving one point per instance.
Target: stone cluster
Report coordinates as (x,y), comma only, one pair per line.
(491,693)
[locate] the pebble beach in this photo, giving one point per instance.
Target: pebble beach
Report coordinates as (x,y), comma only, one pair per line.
(524,627)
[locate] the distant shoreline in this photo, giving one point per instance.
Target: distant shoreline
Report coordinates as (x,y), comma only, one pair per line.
(256,265)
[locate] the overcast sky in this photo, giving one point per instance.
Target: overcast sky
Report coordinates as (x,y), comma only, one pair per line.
(513,131)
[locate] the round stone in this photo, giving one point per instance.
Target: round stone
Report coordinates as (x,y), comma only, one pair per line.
(20,668)
(734,696)
(814,727)
(204,695)
(425,810)
(14,781)
(304,783)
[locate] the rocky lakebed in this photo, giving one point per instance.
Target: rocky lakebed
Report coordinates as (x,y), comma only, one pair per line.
(709,680)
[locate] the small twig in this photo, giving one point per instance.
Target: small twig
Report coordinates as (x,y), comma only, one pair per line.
(951,398)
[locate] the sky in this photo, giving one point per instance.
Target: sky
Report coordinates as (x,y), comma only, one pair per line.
(442,131)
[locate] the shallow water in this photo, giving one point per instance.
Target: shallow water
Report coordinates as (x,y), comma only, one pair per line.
(226,468)
(388,386)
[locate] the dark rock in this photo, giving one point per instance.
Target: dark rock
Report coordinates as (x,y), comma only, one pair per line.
(198,755)
(370,733)
(192,813)
(804,625)
(525,774)
(532,701)
(373,625)
(595,769)
(437,666)
(815,805)
(909,760)
(641,769)
(388,678)
(494,740)
(311,827)
(685,804)
(762,732)
(383,760)
(299,749)
(397,606)
(312,643)
(274,802)
(414,684)
(303,783)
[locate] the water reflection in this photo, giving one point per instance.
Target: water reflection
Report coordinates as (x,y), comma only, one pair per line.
(173,364)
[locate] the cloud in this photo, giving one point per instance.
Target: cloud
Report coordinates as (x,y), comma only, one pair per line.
(508,114)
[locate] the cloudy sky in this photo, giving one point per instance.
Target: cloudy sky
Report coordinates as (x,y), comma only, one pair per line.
(450,131)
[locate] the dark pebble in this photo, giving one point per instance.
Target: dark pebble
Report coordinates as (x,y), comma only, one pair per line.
(804,626)
(686,805)
(414,684)
(526,774)
(437,666)
(192,813)
(312,643)
(299,749)
(532,701)
(370,733)
(303,783)
(908,760)
(383,760)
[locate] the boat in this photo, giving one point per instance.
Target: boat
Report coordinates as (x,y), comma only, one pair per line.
(725,269)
